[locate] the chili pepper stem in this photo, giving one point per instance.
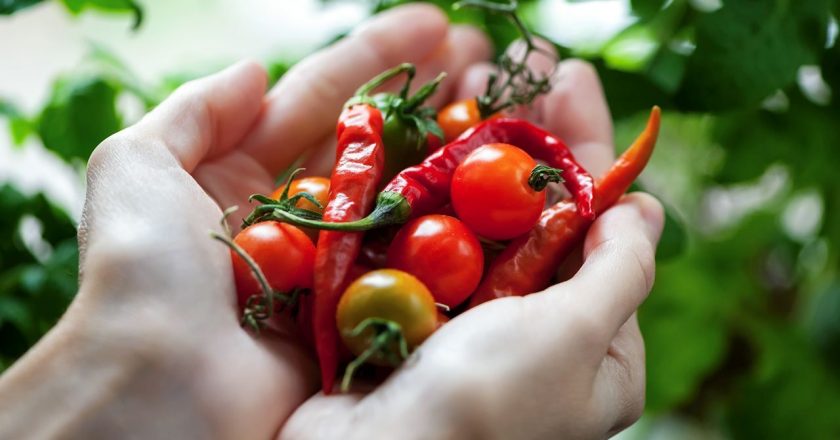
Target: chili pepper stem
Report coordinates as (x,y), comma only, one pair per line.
(391,209)
(363,92)
(542,175)
(386,332)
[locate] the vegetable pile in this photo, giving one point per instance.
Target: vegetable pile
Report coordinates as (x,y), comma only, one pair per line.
(425,215)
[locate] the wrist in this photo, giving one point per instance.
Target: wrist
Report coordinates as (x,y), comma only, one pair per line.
(94,376)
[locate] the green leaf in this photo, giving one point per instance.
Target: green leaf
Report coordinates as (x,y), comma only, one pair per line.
(789,394)
(824,323)
(646,8)
(674,237)
(80,114)
(131,6)
(749,48)
(19,126)
(632,49)
(9,7)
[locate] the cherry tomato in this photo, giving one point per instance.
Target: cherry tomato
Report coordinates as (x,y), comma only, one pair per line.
(391,295)
(458,116)
(283,252)
(491,195)
(443,253)
(319,187)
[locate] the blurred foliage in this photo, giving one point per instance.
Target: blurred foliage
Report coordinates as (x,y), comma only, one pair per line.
(743,326)
(75,7)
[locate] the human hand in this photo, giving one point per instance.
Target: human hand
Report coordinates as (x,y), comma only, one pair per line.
(152,346)
(567,362)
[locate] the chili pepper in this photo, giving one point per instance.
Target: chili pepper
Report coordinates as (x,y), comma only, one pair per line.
(420,189)
(360,158)
(529,262)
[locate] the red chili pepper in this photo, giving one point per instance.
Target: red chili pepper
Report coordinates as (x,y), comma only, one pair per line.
(420,189)
(529,262)
(358,169)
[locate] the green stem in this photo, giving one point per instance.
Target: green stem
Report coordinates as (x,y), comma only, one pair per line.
(391,209)
(542,175)
(268,293)
(363,92)
(386,333)
(423,94)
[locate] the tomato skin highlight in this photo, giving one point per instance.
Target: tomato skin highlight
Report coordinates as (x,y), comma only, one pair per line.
(283,252)
(442,253)
(391,295)
(491,195)
(457,117)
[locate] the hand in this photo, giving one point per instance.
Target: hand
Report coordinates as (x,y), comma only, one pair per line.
(152,347)
(567,362)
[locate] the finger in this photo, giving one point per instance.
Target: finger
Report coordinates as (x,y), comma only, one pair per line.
(473,81)
(464,46)
(577,111)
(620,383)
(202,118)
(618,254)
(207,117)
(303,107)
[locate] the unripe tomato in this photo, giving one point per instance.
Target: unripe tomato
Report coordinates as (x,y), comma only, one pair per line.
(491,194)
(443,253)
(283,252)
(391,295)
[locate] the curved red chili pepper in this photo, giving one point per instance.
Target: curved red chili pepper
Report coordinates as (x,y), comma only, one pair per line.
(355,178)
(529,262)
(423,188)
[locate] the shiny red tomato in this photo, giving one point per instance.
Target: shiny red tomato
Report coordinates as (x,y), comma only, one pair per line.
(443,253)
(283,252)
(491,195)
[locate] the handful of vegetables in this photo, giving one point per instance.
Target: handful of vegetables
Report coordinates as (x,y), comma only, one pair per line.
(392,263)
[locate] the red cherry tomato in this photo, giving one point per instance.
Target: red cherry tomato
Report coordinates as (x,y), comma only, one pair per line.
(491,195)
(283,252)
(443,253)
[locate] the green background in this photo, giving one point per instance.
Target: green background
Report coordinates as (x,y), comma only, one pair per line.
(743,327)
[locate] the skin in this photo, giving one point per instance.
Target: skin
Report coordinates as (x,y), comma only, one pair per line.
(151,346)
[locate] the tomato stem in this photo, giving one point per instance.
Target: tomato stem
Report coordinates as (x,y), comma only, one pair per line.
(521,83)
(386,334)
(542,175)
(258,309)
(284,202)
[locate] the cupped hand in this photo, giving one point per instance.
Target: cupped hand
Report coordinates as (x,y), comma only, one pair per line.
(157,296)
(567,362)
